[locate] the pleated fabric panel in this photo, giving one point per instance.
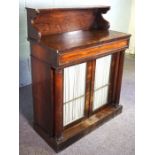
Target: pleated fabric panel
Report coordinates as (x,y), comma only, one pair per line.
(74,93)
(102,73)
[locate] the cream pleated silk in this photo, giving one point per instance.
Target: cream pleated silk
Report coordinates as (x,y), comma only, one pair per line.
(74,88)
(102,73)
(74,92)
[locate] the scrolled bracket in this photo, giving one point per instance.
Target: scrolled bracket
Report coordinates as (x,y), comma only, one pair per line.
(100,23)
(33,33)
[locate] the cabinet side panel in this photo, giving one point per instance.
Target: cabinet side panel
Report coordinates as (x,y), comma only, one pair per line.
(41,85)
(43,54)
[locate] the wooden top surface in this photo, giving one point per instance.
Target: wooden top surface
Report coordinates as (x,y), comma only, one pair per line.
(68,8)
(80,39)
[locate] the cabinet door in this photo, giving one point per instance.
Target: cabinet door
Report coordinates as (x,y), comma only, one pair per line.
(74,93)
(101,83)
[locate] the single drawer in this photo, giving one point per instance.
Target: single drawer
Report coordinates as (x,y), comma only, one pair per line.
(86,53)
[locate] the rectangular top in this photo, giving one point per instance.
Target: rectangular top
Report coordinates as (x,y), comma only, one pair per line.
(65,49)
(80,39)
(69,8)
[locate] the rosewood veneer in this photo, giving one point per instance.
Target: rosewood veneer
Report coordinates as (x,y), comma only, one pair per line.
(77,66)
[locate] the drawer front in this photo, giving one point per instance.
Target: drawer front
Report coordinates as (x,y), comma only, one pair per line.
(86,53)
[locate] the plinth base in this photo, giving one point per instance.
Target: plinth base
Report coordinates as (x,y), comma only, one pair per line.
(77,131)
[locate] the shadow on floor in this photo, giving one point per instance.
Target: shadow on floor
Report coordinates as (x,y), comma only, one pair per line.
(26,103)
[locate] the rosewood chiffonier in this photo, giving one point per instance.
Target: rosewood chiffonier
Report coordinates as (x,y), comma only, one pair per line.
(77,65)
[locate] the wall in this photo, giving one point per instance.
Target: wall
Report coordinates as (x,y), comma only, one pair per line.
(119,17)
(131,29)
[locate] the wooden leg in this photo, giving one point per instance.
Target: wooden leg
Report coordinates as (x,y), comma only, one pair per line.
(58,106)
(116,78)
(93,65)
(119,77)
(113,78)
(88,87)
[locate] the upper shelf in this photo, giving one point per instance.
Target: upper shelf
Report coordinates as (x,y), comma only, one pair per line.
(44,22)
